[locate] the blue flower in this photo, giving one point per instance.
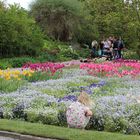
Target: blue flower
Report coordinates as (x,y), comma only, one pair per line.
(68,97)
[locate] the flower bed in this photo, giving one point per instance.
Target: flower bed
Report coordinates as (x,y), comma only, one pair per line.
(117,100)
(47,67)
(111,69)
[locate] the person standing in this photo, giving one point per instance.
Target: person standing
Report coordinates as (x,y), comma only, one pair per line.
(120,47)
(94,45)
(101,46)
(115,48)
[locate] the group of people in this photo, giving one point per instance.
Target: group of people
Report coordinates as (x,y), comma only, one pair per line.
(111,48)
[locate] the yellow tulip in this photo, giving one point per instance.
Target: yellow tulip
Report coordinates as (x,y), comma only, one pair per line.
(7,78)
(1,72)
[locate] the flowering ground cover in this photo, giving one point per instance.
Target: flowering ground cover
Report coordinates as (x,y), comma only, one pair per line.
(116,105)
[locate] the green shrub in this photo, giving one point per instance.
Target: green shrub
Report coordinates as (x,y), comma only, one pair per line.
(46,56)
(19,33)
(131,54)
(83,52)
(32,115)
(4,64)
(39,102)
(46,116)
(67,53)
(20,61)
(57,51)
(15,62)
(7,113)
(49,116)
(62,114)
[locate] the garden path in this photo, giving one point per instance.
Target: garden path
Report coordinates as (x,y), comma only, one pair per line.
(6,138)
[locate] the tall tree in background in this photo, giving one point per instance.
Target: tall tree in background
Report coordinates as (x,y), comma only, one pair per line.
(63,19)
(108,16)
(117,18)
(134,15)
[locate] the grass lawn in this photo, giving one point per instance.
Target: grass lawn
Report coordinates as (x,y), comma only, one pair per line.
(60,132)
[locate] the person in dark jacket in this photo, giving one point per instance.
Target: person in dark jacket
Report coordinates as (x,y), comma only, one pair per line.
(120,47)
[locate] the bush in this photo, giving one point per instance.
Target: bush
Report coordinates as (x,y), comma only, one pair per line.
(1,112)
(62,115)
(46,56)
(67,53)
(57,51)
(131,54)
(4,64)
(46,116)
(7,113)
(16,62)
(83,52)
(19,34)
(18,111)
(49,116)
(32,115)
(20,61)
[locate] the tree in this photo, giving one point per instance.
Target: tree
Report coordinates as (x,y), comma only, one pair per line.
(117,18)
(62,19)
(19,34)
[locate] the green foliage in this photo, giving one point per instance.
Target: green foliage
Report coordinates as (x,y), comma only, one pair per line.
(15,62)
(117,18)
(57,51)
(7,113)
(123,124)
(68,21)
(62,114)
(63,20)
(67,52)
(32,116)
(4,64)
(10,85)
(47,115)
(83,52)
(42,76)
(19,62)
(131,54)
(56,93)
(19,34)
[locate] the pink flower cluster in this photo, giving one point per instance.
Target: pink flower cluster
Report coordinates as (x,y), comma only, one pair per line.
(109,69)
(44,67)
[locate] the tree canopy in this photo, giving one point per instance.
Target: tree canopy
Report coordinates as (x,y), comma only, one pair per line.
(19,34)
(85,20)
(63,19)
(67,20)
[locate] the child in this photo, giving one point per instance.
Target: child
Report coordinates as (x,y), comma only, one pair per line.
(78,113)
